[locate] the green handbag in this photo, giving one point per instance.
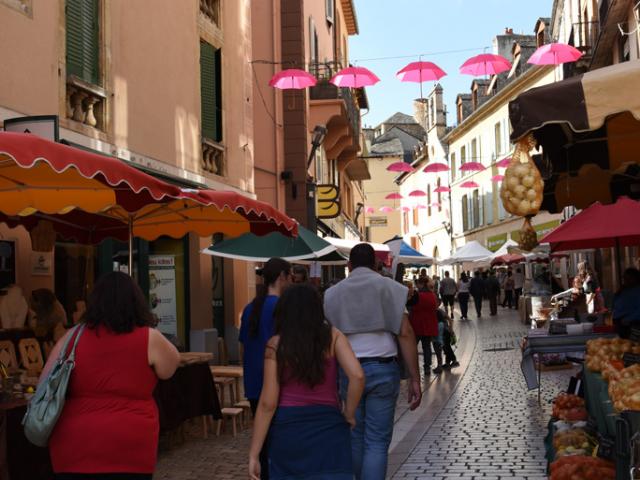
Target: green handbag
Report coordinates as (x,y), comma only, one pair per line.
(47,403)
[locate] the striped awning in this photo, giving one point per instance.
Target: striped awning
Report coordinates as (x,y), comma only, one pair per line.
(589,129)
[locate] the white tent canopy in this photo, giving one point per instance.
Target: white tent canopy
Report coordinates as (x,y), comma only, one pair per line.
(470,252)
(503,250)
(345,246)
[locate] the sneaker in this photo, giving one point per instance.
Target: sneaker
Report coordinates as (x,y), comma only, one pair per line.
(437,370)
(446,366)
(454,364)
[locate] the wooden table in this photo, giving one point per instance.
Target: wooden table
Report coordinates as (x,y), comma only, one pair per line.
(188,358)
(229,371)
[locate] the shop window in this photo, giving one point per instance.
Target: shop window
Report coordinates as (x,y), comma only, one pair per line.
(210,92)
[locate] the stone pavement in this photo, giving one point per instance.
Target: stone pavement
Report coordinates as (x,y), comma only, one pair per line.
(491,426)
(477,421)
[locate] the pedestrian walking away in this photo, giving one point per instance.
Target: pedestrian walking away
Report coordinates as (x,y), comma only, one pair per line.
(445,324)
(299,405)
(463,295)
(492,288)
(109,425)
(508,290)
(256,328)
(424,321)
(518,285)
(476,289)
(370,310)
(448,290)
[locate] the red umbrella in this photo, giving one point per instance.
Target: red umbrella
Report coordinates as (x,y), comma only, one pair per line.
(400,167)
(599,226)
(436,168)
(508,259)
(504,163)
(485,64)
(469,185)
(386,209)
(417,193)
(393,196)
(419,72)
(292,79)
(497,178)
(354,77)
(555,54)
(472,167)
(442,189)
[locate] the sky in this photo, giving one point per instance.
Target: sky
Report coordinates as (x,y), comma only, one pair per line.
(437,29)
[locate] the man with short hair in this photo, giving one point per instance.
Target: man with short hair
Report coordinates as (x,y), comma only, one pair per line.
(370,310)
(518,285)
(476,289)
(448,290)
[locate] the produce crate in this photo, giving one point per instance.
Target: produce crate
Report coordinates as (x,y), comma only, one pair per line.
(627,425)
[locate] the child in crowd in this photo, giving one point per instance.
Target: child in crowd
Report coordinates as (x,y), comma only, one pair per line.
(445,336)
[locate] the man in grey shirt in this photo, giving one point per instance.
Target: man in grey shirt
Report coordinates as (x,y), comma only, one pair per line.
(370,310)
(448,290)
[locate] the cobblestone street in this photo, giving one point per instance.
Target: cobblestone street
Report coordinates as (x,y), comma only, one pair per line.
(477,421)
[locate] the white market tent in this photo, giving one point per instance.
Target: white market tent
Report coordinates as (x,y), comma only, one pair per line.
(503,250)
(470,252)
(345,246)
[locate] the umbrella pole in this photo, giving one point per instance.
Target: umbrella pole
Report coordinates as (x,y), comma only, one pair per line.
(618,263)
(130,246)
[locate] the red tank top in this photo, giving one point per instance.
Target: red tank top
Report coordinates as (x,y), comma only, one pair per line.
(295,394)
(423,317)
(110,420)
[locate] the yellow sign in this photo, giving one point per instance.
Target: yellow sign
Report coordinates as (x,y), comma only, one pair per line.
(327,201)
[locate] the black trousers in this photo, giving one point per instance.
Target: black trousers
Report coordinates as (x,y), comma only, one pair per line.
(508,299)
(264,453)
(477,299)
(518,294)
(449,356)
(427,352)
(493,304)
(463,300)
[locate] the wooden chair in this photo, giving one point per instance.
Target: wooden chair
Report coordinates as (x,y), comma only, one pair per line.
(246,411)
(229,413)
(228,383)
(8,355)
(223,358)
(31,355)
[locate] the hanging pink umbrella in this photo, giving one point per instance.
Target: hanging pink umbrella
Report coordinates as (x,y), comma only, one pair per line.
(472,167)
(370,210)
(436,204)
(504,163)
(354,77)
(400,167)
(421,207)
(497,178)
(386,209)
(419,72)
(292,79)
(436,168)
(485,64)
(469,185)
(393,196)
(442,189)
(555,54)
(417,193)
(404,209)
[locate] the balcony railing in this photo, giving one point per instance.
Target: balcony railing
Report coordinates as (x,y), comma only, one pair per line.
(212,157)
(85,102)
(586,36)
(211,9)
(324,90)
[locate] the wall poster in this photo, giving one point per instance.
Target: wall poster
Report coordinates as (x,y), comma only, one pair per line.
(162,292)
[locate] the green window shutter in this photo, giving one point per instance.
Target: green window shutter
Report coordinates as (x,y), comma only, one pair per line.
(83,39)
(210,94)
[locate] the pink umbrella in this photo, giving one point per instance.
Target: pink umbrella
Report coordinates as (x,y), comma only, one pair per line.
(436,168)
(404,209)
(417,193)
(370,210)
(485,64)
(354,77)
(436,205)
(555,54)
(469,185)
(419,72)
(421,207)
(393,196)
(504,163)
(442,189)
(292,79)
(386,209)
(400,167)
(497,178)
(472,167)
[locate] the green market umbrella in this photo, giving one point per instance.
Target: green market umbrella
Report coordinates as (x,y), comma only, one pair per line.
(306,247)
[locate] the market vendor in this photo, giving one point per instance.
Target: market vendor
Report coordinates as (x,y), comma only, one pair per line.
(48,315)
(626,303)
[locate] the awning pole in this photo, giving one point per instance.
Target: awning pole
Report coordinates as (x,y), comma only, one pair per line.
(130,246)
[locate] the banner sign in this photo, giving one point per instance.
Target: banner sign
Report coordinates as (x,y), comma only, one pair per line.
(162,292)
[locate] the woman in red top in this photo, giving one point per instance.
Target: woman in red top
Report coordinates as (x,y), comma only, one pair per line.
(424,320)
(109,426)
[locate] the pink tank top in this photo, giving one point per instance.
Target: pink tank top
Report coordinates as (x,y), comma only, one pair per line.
(295,394)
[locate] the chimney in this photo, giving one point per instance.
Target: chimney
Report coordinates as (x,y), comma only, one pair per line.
(508,31)
(420,112)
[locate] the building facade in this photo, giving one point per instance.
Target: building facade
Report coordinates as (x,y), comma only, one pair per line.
(180,108)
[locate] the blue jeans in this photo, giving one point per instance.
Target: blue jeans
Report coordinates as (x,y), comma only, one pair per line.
(371,437)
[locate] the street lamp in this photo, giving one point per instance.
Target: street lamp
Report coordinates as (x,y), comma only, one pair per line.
(319,133)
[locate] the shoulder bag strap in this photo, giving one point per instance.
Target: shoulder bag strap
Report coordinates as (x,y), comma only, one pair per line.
(64,353)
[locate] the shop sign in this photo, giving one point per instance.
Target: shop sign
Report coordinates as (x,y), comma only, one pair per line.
(162,292)
(327,201)
(541,230)
(494,243)
(41,264)
(377,221)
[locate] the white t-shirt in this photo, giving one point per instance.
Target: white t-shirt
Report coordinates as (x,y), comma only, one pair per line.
(518,280)
(463,287)
(374,344)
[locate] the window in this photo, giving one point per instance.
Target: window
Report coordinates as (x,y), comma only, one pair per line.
(313,47)
(439,196)
(474,150)
(83,40)
(502,213)
(453,165)
(428,200)
(416,218)
(460,112)
(465,213)
(405,222)
(488,207)
(329,10)
(463,155)
(498,137)
(210,92)
(476,209)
